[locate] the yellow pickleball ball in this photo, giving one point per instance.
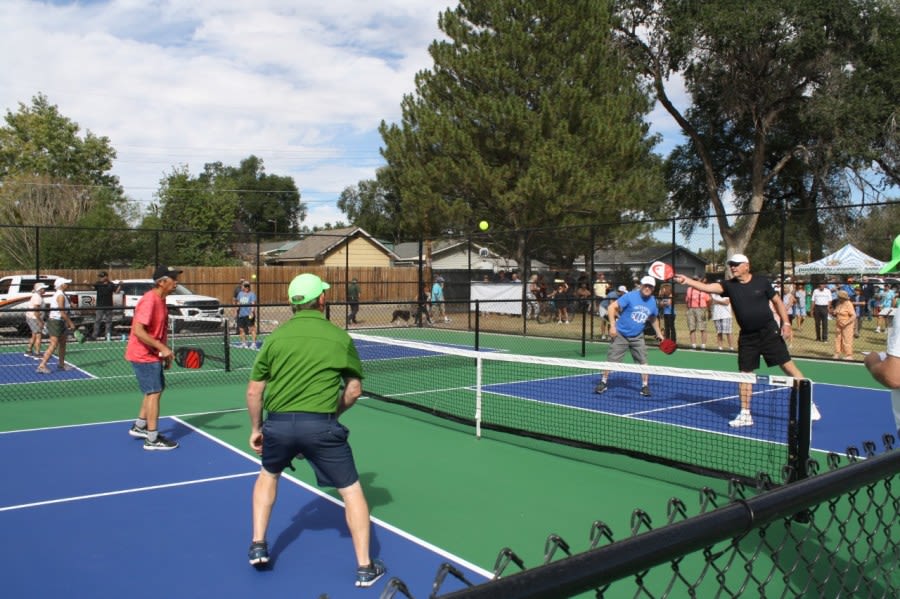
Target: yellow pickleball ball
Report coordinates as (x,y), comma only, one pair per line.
(483,225)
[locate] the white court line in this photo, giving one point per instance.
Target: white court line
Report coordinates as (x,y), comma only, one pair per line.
(123,421)
(316,491)
(286,475)
(125,491)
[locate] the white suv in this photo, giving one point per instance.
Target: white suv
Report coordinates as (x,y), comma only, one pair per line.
(186,309)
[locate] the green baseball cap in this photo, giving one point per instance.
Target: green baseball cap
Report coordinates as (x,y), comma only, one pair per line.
(895,258)
(305,288)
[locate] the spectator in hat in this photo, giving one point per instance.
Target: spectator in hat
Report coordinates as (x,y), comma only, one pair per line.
(35,321)
(438,311)
(305,376)
(845,324)
(150,355)
(103,315)
(58,326)
(628,316)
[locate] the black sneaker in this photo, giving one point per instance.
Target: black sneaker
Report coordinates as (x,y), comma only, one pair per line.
(137,432)
(645,391)
(258,554)
(161,444)
(601,387)
(366,576)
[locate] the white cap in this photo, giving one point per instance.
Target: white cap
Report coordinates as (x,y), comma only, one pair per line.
(738,259)
(60,282)
(622,289)
(39,286)
(648,280)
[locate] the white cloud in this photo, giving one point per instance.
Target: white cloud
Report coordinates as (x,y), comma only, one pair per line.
(301,84)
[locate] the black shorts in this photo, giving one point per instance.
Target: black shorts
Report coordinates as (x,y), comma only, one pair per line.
(767,343)
(244,323)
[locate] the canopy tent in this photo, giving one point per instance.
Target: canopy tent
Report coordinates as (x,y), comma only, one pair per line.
(846,261)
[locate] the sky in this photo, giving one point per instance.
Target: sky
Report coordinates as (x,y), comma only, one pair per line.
(301,84)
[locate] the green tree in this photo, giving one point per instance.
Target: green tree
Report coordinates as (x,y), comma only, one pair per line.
(529,118)
(758,75)
(374,206)
(198,215)
(266,203)
(52,174)
(875,231)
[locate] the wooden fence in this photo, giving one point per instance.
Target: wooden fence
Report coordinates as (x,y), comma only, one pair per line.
(269,282)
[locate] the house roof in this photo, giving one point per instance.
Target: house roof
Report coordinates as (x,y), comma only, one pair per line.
(316,246)
(409,250)
(640,256)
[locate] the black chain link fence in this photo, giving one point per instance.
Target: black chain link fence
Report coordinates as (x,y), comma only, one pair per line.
(836,534)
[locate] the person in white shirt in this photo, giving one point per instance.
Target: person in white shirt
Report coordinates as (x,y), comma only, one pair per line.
(721,316)
(35,321)
(821,300)
(58,326)
(885,366)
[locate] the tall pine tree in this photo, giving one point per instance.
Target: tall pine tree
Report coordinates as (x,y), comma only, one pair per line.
(528,119)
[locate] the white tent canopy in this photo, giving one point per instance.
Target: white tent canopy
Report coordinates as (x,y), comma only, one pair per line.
(846,261)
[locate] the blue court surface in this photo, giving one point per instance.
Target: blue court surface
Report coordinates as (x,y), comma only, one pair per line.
(25,370)
(85,511)
(851,415)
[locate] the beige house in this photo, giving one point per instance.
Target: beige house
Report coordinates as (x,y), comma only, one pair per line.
(347,247)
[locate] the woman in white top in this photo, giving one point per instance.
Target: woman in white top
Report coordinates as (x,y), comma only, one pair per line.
(58,326)
(35,321)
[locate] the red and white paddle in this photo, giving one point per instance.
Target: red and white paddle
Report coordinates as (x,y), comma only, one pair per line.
(661,271)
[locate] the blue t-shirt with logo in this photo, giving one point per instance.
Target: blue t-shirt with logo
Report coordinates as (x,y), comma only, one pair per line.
(246,299)
(635,311)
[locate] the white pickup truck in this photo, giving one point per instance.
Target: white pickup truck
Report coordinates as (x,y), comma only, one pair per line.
(186,308)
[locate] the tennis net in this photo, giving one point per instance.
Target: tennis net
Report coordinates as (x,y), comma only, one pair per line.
(683,423)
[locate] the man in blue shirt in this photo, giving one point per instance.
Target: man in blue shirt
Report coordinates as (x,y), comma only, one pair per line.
(628,316)
(246,316)
(437,300)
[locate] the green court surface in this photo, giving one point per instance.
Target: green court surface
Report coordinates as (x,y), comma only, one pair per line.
(434,478)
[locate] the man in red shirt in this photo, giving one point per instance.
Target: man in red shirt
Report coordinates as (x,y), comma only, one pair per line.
(150,356)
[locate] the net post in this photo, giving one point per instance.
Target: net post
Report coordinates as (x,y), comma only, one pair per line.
(478,379)
(226,340)
(800,437)
(477,325)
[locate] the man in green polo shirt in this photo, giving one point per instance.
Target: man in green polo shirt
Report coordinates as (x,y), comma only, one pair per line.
(309,373)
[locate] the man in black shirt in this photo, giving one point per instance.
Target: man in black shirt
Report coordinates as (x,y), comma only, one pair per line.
(753,299)
(104,304)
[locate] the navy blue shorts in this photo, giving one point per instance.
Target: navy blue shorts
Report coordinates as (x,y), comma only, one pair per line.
(767,343)
(319,437)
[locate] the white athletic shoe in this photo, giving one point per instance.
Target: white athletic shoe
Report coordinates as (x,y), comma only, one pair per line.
(814,413)
(742,419)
